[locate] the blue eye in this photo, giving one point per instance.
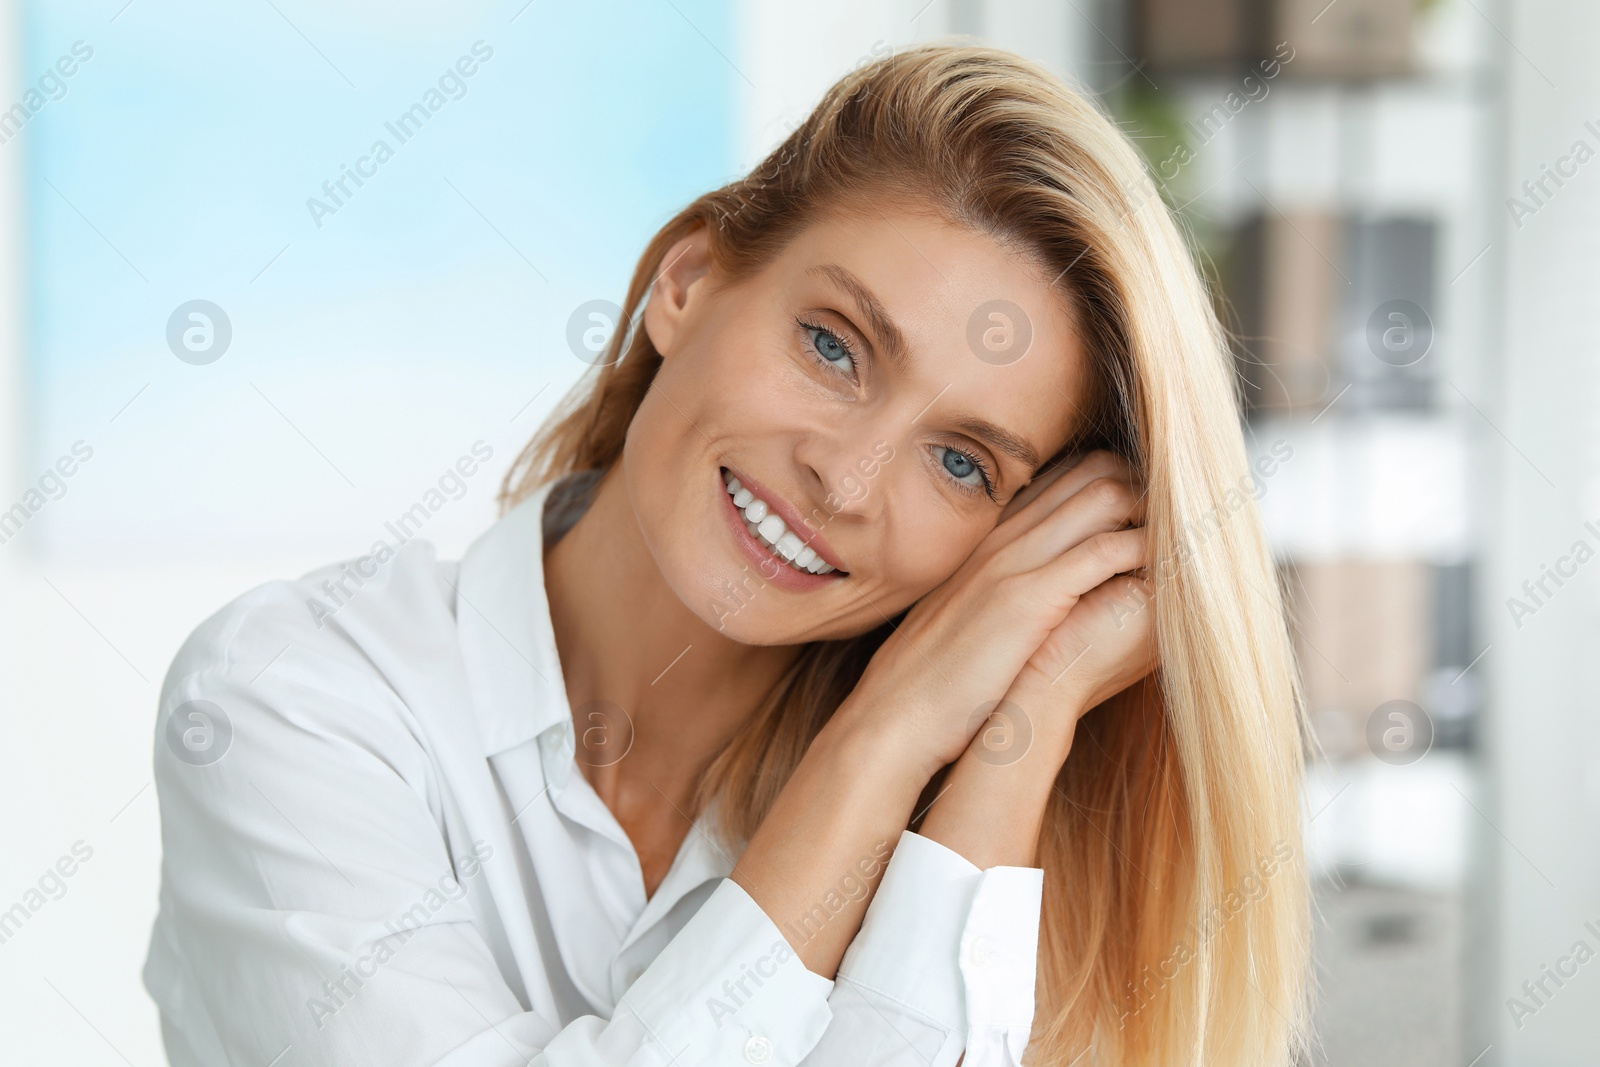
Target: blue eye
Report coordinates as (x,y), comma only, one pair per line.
(966,469)
(830,349)
(829,346)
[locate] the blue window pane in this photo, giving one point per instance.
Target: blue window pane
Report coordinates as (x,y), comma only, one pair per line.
(395,212)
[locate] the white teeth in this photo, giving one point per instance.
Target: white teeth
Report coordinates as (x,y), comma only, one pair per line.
(789,545)
(773,531)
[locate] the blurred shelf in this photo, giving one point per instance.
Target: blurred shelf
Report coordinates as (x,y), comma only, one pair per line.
(1375,485)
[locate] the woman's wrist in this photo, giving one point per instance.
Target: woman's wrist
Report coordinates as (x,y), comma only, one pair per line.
(838,817)
(993,801)
(886,739)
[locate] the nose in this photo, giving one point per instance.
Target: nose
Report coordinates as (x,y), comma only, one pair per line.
(846,472)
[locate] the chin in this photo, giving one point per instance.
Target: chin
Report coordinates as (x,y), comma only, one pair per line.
(735,600)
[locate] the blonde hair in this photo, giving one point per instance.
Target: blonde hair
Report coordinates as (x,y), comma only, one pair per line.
(1176,918)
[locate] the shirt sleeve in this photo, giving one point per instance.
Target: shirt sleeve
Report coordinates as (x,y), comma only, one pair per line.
(944,964)
(312,914)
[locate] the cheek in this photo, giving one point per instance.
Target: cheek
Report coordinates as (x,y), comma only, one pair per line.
(664,461)
(657,440)
(923,545)
(730,384)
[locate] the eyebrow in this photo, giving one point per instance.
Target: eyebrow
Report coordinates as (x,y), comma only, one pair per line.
(1004,440)
(883,327)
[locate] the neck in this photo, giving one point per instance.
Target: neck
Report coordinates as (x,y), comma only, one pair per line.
(625,637)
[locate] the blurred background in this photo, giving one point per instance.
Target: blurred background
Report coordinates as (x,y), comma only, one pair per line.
(238,338)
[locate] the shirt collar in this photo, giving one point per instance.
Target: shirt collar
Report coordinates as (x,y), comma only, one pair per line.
(513,668)
(507,639)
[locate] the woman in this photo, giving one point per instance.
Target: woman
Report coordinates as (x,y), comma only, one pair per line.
(875,663)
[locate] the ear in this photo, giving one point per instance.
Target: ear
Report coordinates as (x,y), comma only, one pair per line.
(675,296)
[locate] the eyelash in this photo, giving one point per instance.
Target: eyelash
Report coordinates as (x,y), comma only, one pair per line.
(981,467)
(855,363)
(810,327)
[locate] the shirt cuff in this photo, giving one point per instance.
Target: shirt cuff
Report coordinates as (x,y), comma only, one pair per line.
(956,943)
(905,949)
(729,989)
(1000,952)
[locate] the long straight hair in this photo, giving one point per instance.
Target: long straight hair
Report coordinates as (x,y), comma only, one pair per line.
(1176,918)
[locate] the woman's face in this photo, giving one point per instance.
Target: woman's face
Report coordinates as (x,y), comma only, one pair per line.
(884,387)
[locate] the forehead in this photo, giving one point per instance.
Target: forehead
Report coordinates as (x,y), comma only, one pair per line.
(983,327)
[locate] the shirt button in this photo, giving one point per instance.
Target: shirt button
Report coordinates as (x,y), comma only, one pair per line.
(758,1050)
(978,952)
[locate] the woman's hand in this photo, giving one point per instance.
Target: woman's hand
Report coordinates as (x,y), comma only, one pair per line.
(992,804)
(1104,645)
(991,807)
(964,646)
(1015,607)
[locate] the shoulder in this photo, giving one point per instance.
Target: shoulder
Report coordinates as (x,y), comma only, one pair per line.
(297,755)
(318,652)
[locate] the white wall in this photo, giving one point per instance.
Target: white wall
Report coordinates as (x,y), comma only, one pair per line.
(1543,741)
(790,53)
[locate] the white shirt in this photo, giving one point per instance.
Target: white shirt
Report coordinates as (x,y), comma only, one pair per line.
(379,849)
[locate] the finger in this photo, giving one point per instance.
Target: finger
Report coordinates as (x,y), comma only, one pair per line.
(1065,578)
(1030,492)
(1078,468)
(1115,649)
(1129,593)
(1102,505)
(1124,509)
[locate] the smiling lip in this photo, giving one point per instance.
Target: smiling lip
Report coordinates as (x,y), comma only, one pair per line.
(771,567)
(791,518)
